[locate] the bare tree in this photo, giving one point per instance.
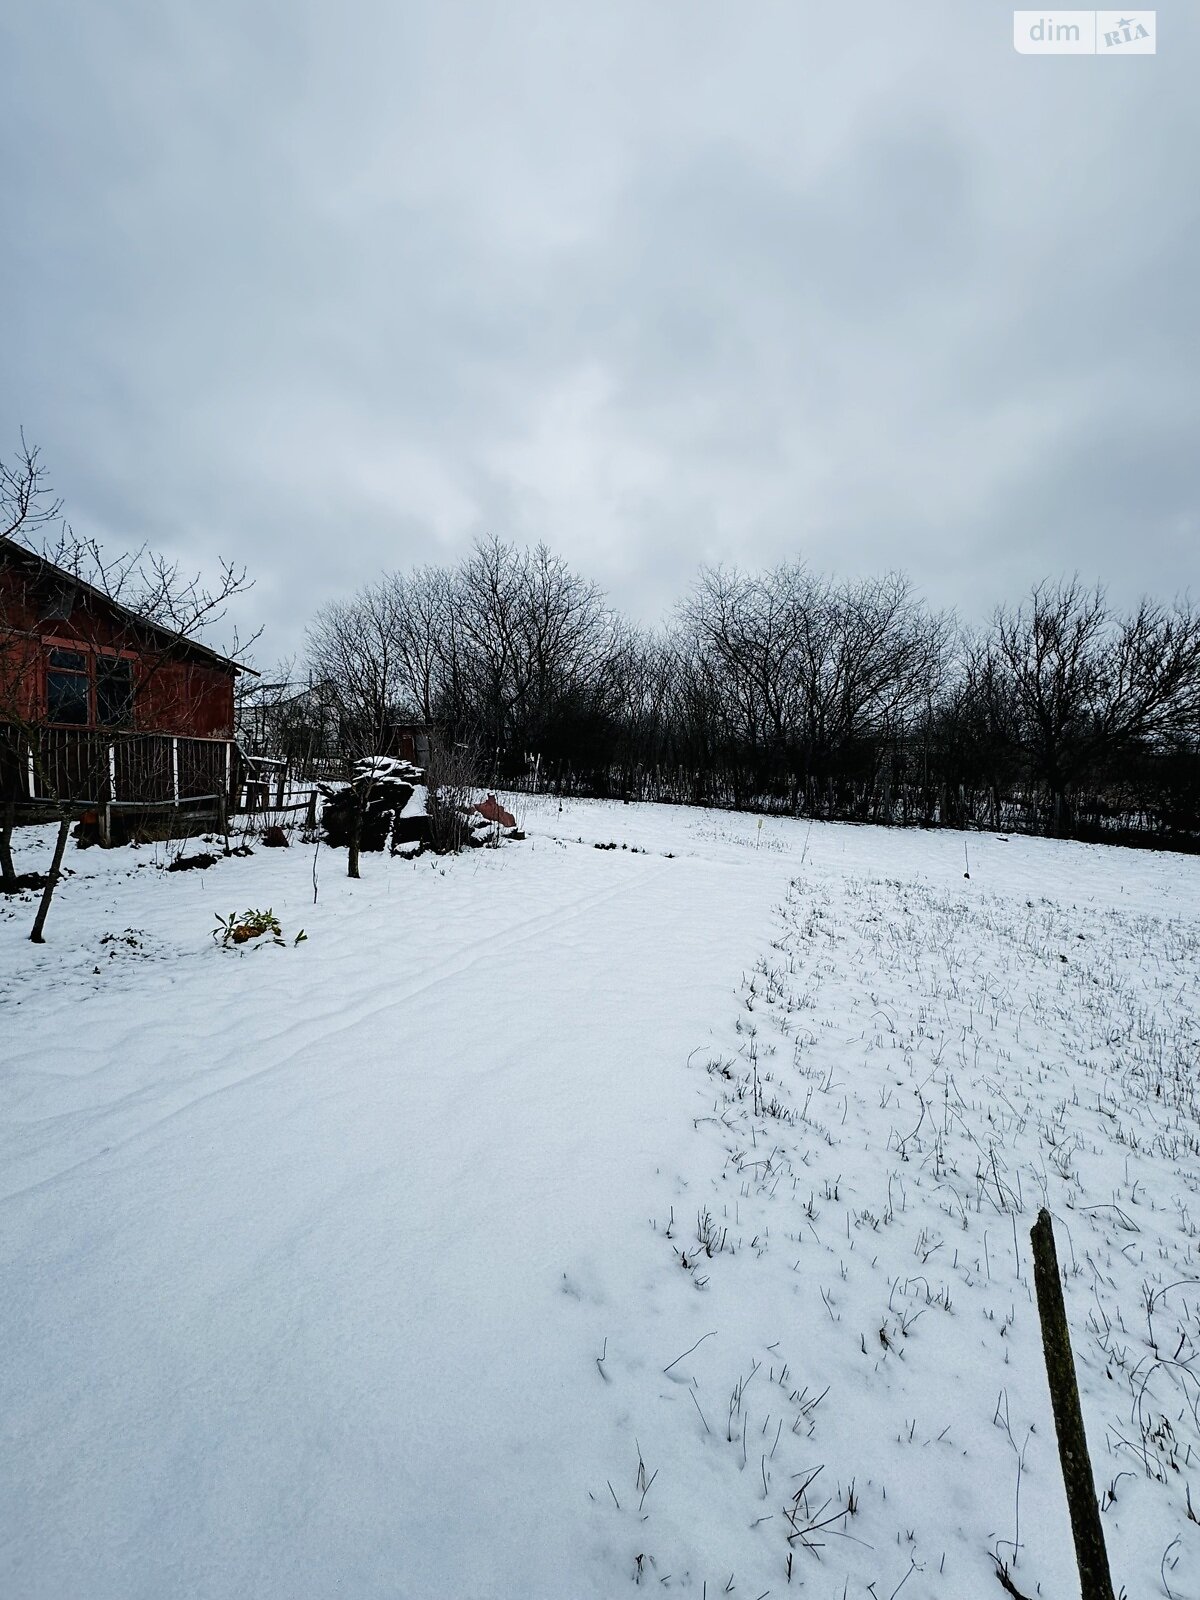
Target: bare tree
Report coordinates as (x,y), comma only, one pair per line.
(1073,687)
(27,504)
(27,500)
(354,650)
(486,600)
(529,656)
(1046,679)
(453,782)
(424,609)
(1152,675)
(797,672)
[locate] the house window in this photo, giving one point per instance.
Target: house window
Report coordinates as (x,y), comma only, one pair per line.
(114,692)
(68,688)
(86,690)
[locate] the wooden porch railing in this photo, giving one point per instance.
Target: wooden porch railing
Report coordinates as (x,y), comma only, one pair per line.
(91,769)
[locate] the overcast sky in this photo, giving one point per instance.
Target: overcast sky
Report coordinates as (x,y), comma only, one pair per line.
(333,288)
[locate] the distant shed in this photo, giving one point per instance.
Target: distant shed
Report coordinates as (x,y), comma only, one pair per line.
(409,741)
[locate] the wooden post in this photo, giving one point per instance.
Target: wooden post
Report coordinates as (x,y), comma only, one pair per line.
(223,817)
(1095,1581)
(175,770)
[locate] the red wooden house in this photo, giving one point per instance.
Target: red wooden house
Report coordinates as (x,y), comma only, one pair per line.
(100,709)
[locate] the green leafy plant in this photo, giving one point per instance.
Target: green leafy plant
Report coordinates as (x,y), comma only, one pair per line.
(240,928)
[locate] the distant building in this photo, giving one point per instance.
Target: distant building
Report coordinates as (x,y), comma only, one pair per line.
(410,742)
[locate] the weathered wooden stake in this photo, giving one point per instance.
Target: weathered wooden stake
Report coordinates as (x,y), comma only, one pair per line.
(1095,1581)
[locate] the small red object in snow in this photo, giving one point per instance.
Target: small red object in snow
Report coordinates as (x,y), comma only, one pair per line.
(492,811)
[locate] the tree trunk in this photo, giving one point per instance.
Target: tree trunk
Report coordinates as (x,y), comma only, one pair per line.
(60,845)
(8,873)
(356,812)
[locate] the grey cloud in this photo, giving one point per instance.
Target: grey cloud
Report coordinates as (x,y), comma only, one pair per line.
(331,291)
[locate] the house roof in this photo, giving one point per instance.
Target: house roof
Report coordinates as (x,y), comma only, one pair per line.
(13,550)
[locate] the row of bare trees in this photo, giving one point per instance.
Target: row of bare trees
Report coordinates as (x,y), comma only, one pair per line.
(510,651)
(786,689)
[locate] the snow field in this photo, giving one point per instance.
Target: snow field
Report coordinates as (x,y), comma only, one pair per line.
(555,1220)
(910,1072)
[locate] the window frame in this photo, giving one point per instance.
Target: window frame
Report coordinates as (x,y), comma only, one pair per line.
(77,676)
(92,656)
(103,659)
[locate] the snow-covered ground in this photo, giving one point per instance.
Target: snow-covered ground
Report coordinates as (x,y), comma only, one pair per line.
(554,1220)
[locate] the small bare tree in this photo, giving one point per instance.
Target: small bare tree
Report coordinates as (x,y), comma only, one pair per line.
(354,649)
(453,782)
(27,505)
